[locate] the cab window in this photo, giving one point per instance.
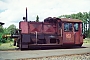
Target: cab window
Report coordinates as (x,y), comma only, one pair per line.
(76,27)
(67,26)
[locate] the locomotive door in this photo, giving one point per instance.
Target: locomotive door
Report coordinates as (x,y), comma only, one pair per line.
(78,33)
(68,33)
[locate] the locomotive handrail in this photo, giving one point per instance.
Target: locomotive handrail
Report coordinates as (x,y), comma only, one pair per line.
(61,32)
(36,36)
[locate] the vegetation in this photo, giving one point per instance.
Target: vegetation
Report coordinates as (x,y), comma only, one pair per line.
(10,30)
(7,46)
(87,40)
(85,17)
(37,18)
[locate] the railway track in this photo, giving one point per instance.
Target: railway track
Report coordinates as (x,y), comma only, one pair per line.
(50,54)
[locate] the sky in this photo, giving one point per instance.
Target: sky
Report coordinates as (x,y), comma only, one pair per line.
(13,11)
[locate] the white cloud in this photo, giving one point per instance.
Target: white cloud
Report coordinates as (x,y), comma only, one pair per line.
(14,10)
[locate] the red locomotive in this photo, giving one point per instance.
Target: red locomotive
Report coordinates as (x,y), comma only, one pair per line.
(53,32)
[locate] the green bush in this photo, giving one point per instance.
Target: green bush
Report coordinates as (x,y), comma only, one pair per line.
(2,40)
(88,33)
(0,44)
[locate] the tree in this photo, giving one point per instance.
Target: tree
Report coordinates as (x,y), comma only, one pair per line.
(89,19)
(1,29)
(37,18)
(4,31)
(11,29)
(1,33)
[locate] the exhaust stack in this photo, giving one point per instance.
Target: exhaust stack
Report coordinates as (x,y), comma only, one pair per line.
(26,13)
(25,18)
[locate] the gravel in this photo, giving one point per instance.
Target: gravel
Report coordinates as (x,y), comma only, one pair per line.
(84,56)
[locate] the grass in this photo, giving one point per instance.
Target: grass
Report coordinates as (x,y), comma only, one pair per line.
(7,46)
(86,40)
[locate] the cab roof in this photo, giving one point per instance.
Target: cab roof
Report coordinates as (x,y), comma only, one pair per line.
(70,20)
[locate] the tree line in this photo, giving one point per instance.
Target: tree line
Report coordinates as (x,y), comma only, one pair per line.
(85,17)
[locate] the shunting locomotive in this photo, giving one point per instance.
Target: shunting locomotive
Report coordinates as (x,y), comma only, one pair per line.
(52,32)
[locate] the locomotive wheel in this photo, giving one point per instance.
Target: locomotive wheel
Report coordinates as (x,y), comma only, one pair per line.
(80,45)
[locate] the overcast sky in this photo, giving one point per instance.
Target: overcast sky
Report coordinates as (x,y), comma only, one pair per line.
(12,11)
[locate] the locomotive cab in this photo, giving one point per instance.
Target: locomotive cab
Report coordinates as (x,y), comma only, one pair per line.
(71,32)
